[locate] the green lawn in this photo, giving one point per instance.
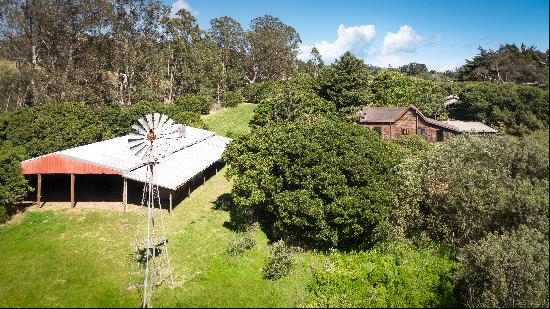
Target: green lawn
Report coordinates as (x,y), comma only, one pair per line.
(231,122)
(81,258)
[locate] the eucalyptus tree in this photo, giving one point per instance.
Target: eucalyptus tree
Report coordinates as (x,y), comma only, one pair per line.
(231,41)
(272,51)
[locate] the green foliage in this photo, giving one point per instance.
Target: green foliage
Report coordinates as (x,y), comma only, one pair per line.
(514,109)
(241,243)
(196,103)
(507,64)
(508,270)
(394,276)
(257,92)
(345,83)
(231,98)
(392,88)
(409,145)
(280,261)
(320,184)
(56,126)
(52,127)
(290,106)
(13,186)
(460,190)
(414,69)
(119,120)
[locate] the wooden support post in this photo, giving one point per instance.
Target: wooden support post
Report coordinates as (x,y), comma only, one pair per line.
(125,193)
(170,201)
(72,191)
(39,191)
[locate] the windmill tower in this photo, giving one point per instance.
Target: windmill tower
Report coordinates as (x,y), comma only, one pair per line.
(150,142)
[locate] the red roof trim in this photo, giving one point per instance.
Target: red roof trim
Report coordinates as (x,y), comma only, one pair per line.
(59,164)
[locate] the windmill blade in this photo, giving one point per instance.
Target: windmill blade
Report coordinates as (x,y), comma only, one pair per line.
(144,124)
(150,121)
(169,123)
(135,142)
(156,121)
(137,149)
(142,152)
(162,121)
(139,129)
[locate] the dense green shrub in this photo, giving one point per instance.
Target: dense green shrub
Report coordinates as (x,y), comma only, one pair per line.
(507,270)
(409,145)
(289,107)
(52,127)
(393,276)
(13,186)
(514,109)
(231,98)
(345,83)
(280,261)
(243,242)
(392,88)
(257,92)
(196,103)
(319,184)
(466,187)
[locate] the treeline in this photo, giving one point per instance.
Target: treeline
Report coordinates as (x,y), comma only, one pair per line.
(349,84)
(114,52)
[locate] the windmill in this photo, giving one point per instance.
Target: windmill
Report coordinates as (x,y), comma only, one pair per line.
(150,142)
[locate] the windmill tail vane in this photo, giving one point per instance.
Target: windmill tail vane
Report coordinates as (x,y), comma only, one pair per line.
(150,142)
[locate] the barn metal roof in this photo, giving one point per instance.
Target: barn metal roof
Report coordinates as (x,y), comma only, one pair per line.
(470,126)
(174,170)
(186,157)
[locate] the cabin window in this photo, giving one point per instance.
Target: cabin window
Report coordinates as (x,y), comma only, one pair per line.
(404,131)
(422,132)
(379,130)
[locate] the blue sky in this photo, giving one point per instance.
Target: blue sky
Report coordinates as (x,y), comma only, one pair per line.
(441,34)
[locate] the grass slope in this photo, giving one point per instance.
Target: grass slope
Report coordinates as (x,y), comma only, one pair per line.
(80,258)
(231,122)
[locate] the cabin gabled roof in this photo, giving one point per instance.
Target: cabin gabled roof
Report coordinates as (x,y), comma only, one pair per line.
(392,114)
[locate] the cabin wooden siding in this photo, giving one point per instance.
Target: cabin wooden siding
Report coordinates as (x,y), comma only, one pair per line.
(409,123)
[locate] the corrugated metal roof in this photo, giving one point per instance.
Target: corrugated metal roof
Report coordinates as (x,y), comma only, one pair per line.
(176,169)
(186,157)
(115,154)
(470,126)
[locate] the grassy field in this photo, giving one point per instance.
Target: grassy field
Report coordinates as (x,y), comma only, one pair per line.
(81,258)
(231,122)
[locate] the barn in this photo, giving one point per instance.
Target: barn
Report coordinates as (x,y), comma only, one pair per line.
(107,169)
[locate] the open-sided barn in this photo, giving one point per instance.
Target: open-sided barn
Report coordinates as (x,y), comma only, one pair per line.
(111,164)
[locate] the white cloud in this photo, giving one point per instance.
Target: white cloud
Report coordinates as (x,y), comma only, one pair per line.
(355,39)
(405,40)
(181,4)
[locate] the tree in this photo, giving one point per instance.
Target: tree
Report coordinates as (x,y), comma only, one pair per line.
(345,83)
(392,88)
(459,191)
(511,108)
(319,184)
(231,40)
(13,186)
(507,270)
(507,64)
(414,69)
(272,50)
